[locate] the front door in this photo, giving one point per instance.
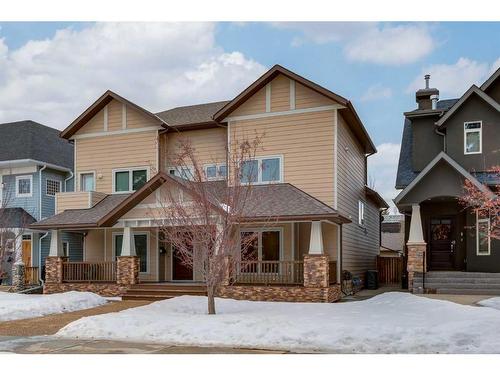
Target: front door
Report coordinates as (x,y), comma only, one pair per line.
(26,252)
(442,244)
(180,270)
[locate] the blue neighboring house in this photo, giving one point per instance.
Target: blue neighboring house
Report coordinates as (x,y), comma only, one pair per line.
(35,164)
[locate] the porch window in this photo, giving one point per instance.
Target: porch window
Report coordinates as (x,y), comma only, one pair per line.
(483,241)
(261,245)
(87,182)
(129,180)
(262,170)
(23,186)
(141,248)
(472,137)
(65,249)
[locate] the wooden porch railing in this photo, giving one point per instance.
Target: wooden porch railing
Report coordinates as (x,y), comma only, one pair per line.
(79,272)
(269,272)
(332,274)
(31,275)
(390,270)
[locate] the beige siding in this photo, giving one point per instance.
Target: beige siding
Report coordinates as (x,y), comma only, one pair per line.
(71,200)
(280,94)
(360,244)
(307,98)
(209,145)
(136,119)
(94,125)
(94,246)
(105,153)
(114,115)
(306,143)
(255,104)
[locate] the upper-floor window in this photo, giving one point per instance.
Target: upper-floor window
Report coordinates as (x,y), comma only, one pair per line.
(473,137)
(87,181)
(262,170)
(52,187)
(128,180)
(483,241)
(361,213)
(215,171)
(24,186)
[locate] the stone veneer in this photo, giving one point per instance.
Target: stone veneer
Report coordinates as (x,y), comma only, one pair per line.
(127,270)
(103,289)
(53,270)
(316,271)
(416,262)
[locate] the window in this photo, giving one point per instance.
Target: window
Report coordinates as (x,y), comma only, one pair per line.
(65,246)
(141,248)
(129,180)
(361,213)
(262,170)
(87,182)
(483,241)
(23,186)
(215,171)
(186,173)
(263,245)
(473,137)
(52,187)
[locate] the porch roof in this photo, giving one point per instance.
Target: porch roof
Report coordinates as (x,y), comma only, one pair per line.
(281,202)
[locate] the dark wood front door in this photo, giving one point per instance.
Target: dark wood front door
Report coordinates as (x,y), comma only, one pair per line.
(180,271)
(442,244)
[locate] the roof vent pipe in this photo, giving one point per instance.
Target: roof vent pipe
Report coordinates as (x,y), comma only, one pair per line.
(434,101)
(427,77)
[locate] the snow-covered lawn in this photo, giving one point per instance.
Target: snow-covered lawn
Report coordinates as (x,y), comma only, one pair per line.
(388,323)
(491,302)
(21,306)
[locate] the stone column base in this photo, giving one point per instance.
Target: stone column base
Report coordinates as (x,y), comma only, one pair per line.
(53,270)
(316,271)
(127,270)
(416,262)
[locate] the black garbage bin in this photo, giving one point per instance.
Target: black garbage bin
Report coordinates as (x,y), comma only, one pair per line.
(371,279)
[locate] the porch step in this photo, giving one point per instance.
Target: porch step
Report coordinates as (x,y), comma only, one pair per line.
(448,282)
(156,292)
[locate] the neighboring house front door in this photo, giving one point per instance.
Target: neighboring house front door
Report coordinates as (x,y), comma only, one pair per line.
(26,252)
(442,244)
(180,271)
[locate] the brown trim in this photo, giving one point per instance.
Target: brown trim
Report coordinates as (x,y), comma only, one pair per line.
(99,104)
(193,126)
(376,197)
(336,218)
(78,226)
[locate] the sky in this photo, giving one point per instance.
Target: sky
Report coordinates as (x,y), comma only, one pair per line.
(51,71)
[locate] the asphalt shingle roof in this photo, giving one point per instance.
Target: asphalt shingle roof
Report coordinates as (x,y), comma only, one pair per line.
(15,217)
(31,140)
(192,114)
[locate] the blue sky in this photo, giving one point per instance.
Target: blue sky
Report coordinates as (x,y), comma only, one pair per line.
(377,66)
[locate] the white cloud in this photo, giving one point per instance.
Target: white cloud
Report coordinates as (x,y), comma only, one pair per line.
(376,92)
(157,65)
(382,170)
(453,80)
(369,42)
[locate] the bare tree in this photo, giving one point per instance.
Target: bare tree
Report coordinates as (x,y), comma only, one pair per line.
(486,202)
(200,218)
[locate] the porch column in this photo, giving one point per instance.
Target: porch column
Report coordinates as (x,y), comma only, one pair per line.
(56,246)
(416,248)
(54,262)
(316,263)
(127,264)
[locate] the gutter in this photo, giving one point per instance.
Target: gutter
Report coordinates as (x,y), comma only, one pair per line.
(12,163)
(71,175)
(436,130)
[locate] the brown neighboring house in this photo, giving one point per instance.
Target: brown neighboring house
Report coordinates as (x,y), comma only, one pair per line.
(444,143)
(319,194)
(392,236)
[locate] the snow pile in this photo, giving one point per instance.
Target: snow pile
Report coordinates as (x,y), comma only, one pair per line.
(388,323)
(491,302)
(21,306)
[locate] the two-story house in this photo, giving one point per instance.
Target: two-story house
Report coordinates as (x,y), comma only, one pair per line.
(314,141)
(35,165)
(444,143)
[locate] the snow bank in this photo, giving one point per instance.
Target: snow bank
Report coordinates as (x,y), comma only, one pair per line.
(21,306)
(388,323)
(491,302)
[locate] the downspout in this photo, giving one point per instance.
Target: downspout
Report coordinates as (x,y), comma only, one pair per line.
(71,175)
(444,137)
(40,190)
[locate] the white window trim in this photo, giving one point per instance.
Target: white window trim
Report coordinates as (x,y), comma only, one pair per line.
(130,178)
(67,246)
(24,195)
(148,260)
(259,239)
(478,221)
(259,170)
(361,213)
(80,179)
(216,165)
(46,186)
(466,131)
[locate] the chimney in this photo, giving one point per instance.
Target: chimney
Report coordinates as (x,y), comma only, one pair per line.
(428,97)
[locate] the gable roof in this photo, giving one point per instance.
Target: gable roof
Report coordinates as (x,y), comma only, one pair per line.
(349,113)
(441,156)
(30,141)
(472,90)
(188,117)
(99,104)
(490,80)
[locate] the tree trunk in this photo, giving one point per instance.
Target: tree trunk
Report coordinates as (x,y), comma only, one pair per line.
(211,300)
